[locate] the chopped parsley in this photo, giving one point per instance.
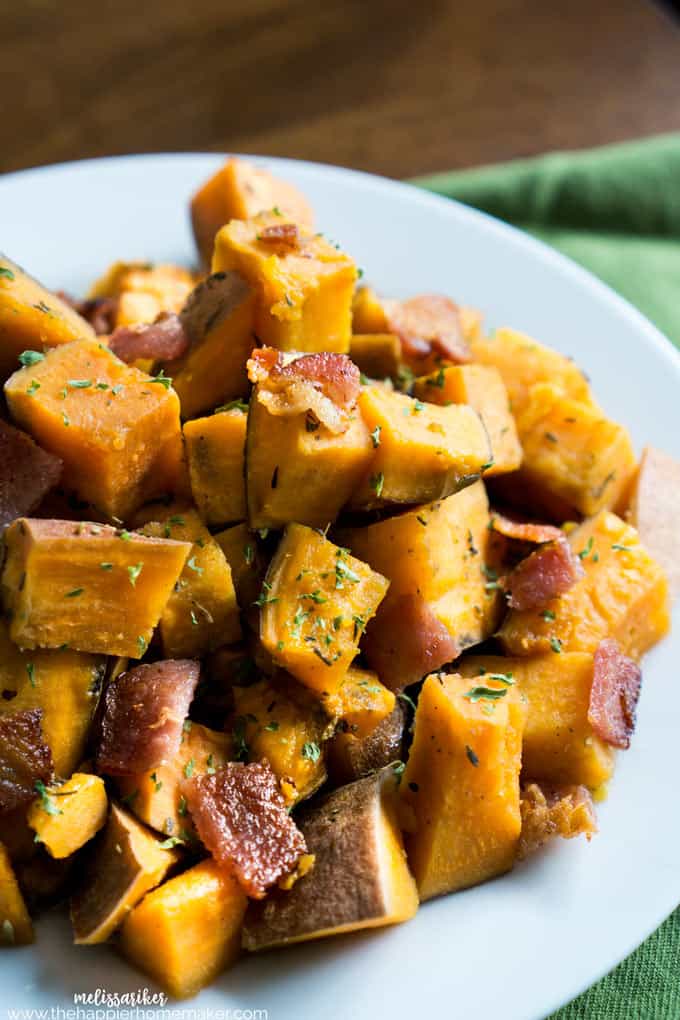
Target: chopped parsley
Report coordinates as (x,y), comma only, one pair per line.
(586,551)
(472,757)
(264,598)
(548,615)
(311,751)
(6,273)
(134,572)
(193,565)
(33,388)
(74,593)
(31,358)
(377,483)
(47,801)
(556,645)
(375,436)
(30,669)
(79,384)
(162,379)
(617,547)
(480,693)
(189,768)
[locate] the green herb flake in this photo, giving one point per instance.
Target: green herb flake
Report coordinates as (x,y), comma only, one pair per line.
(47,801)
(65,418)
(264,598)
(157,784)
(30,669)
(271,727)
(617,547)
(548,615)
(314,596)
(162,380)
(556,645)
(193,565)
(233,405)
(33,388)
(249,554)
(141,644)
(106,566)
(189,768)
(311,751)
(407,699)
(586,551)
(74,593)
(377,483)
(375,436)
(182,806)
(27,358)
(480,693)
(170,842)
(134,572)
(6,274)
(472,757)
(239,734)
(79,384)
(418,406)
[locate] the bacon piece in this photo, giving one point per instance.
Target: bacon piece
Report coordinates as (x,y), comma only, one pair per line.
(524,531)
(25,758)
(548,572)
(27,473)
(429,324)
(241,817)
(406,641)
(325,384)
(614,694)
(99,312)
(162,340)
(144,711)
(551,811)
(285,235)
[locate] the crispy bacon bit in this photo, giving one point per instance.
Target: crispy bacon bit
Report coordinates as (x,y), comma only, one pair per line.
(99,312)
(27,473)
(241,818)
(25,758)
(405,641)
(426,325)
(144,711)
(524,531)
(548,572)
(161,340)
(285,235)
(550,811)
(614,695)
(325,384)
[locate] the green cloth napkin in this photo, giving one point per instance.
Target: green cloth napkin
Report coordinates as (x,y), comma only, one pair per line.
(616,210)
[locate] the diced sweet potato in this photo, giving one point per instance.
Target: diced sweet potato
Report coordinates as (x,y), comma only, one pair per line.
(25,758)
(623,595)
(360,877)
(238,191)
(144,712)
(368,314)
(523,362)
(377,355)
(284,726)
(363,702)
(315,604)
(116,429)
(88,586)
(304,289)
(482,387)
(462,783)
(215,448)
(27,474)
(547,812)
(351,757)
(201,613)
(155,796)
(421,452)
(32,318)
(559,743)
(574,458)
(65,817)
(16,927)
(653,511)
(248,565)
(126,862)
(241,817)
(63,684)
(143,290)
(188,930)
(218,318)
(298,470)
(444,556)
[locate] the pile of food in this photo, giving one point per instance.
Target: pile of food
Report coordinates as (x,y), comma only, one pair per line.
(316,604)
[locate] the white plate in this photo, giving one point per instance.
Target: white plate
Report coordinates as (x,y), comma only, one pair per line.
(519,947)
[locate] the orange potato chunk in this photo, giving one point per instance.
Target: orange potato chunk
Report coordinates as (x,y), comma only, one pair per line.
(215,448)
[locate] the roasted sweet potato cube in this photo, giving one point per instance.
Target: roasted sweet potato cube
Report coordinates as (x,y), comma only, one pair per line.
(25,758)
(65,817)
(354,835)
(144,712)
(238,191)
(421,452)
(64,685)
(16,927)
(155,796)
(144,290)
(559,744)
(248,564)
(350,757)
(462,783)
(363,702)
(241,817)
(285,727)
(88,586)
(304,284)
(574,458)
(653,511)
(32,318)
(116,429)
(523,362)
(27,474)
(377,355)
(300,473)
(368,314)
(188,930)
(623,595)
(126,862)
(315,604)
(201,613)
(218,318)
(215,448)
(482,387)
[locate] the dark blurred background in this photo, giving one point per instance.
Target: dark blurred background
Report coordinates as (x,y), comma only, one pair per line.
(399,88)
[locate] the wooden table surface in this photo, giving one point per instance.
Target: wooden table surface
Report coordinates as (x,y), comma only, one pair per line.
(397,87)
